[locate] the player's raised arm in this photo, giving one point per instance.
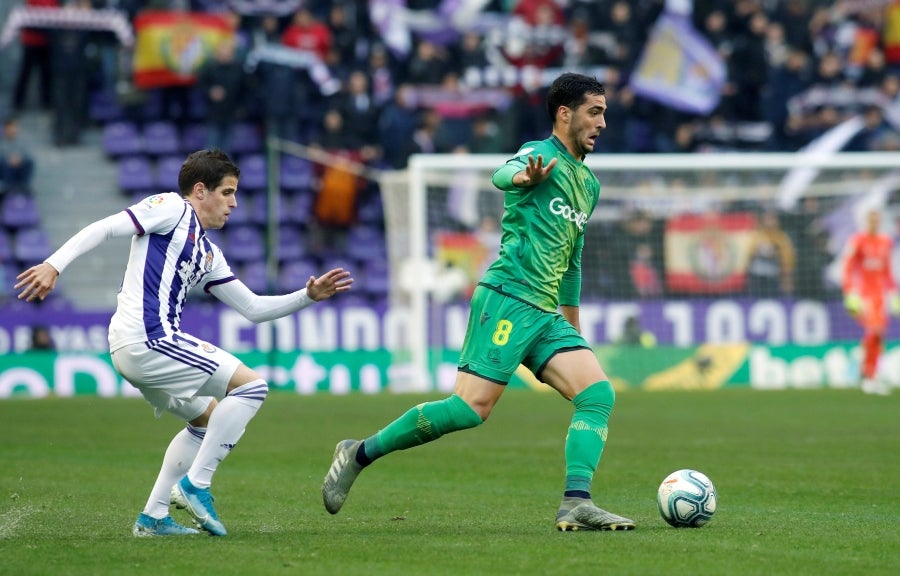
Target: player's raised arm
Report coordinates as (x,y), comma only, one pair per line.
(258,308)
(516,174)
(39,280)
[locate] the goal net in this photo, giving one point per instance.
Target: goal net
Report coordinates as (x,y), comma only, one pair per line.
(682,251)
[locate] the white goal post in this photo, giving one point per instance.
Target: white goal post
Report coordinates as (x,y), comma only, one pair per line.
(660,184)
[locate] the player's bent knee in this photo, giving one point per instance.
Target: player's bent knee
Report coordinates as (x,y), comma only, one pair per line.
(599,393)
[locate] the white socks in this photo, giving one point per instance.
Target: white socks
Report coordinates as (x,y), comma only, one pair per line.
(226,426)
(179,455)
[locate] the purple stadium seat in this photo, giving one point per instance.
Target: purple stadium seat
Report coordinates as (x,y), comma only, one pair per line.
(296,173)
(161,138)
(197,108)
(371,212)
(6,247)
(103,106)
(300,209)
(253,172)
(167,169)
(136,173)
(19,211)
(291,244)
(293,276)
(193,138)
(378,278)
(366,243)
(245,139)
(8,273)
(340,262)
(121,139)
(245,244)
(31,246)
(152,106)
(253,274)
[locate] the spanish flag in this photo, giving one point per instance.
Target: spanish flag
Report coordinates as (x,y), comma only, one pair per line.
(171,46)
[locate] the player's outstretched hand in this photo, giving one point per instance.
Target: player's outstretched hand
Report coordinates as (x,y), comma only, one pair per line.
(536,172)
(328,284)
(36,282)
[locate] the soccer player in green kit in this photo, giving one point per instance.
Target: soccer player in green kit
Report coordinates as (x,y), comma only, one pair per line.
(525,311)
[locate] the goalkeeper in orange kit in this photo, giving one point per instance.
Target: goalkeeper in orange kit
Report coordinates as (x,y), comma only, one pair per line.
(869,289)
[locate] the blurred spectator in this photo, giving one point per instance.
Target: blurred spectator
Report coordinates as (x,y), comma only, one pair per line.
(813,256)
(785,81)
(358,111)
(580,52)
(486,137)
(335,137)
(396,124)
(628,35)
(770,259)
(543,47)
(16,161)
(633,334)
(873,132)
(748,69)
(344,38)
(35,56)
(471,53)
(281,97)
(70,80)
(382,75)
(242,39)
(645,277)
(427,66)
(41,338)
(222,80)
(307,33)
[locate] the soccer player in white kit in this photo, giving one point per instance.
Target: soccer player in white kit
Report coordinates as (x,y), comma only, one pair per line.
(196,381)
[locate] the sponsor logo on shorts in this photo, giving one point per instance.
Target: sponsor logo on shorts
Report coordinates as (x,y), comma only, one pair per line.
(207,347)
(494,355)
(559,207)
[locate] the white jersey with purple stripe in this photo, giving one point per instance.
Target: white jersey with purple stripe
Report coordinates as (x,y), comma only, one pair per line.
(170,254)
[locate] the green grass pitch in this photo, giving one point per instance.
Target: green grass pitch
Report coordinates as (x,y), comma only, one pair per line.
(808,483)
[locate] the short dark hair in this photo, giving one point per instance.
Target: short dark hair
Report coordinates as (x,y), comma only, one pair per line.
(207,166)
(570,90)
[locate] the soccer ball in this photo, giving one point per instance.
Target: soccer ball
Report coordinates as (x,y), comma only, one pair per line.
(686,498)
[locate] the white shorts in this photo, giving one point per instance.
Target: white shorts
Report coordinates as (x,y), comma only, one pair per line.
(179,374)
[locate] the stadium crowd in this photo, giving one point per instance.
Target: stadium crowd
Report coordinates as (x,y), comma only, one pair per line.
(794,70)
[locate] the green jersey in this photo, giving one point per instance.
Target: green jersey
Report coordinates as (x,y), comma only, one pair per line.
(543,228)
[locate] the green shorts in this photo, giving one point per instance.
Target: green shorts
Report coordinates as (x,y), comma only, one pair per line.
(504,332)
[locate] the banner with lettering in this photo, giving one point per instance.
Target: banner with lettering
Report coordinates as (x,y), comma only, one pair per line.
(329,326)
(706,367)
(171,46)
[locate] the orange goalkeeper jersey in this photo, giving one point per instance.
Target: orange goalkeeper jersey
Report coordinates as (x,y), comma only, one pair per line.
(867,270)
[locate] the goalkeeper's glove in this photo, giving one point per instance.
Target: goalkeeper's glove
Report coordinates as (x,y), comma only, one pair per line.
(895,304)
(853,303)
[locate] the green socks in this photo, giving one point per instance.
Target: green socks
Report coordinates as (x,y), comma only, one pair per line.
(423,423)
(587,435)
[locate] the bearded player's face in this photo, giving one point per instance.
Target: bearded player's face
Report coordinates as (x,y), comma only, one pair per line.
(586,123)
